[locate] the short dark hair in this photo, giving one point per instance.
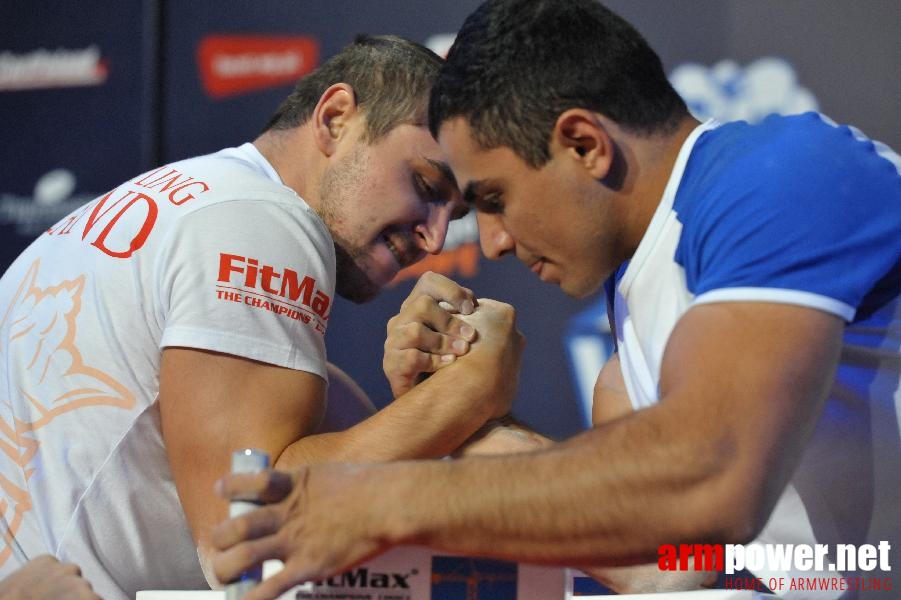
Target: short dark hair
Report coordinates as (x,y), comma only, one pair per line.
(391,78)
(516,65)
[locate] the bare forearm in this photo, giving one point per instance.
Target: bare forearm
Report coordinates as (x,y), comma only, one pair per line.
(431,420)
(610,496)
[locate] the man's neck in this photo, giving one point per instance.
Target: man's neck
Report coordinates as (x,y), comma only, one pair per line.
(293,160)
(652,161)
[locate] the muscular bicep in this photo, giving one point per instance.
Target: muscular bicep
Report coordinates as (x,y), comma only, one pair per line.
(747,382)
(610,400)
(212,404)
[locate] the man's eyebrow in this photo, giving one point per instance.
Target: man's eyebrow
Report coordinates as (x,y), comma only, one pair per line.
(444,169)
(472,193)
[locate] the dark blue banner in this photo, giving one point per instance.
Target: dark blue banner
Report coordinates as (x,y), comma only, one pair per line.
(77,107)
(93,92)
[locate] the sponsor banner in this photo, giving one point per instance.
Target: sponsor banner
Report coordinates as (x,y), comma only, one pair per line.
(233,65)
(419,574)
(53,198)
(45,68)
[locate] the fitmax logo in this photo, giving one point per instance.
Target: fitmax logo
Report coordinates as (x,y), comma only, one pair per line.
(266,278)
(362,578)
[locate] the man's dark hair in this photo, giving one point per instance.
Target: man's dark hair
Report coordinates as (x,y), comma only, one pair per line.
(516,65)
(390,76)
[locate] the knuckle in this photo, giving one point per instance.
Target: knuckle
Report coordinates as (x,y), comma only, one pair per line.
(414,359)
(410,334)
(394,340)
(426,361)
(423,303)
(404,363)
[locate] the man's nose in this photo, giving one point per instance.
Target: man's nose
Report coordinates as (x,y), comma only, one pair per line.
(431,233)
(494,238)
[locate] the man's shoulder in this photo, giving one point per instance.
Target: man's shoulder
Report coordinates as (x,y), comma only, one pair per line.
(771,144)
(240,187)
(784,148)
(230,168)
(805,158)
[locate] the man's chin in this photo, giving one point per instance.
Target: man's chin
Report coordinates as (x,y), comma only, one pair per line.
(357,294)
(580,290)
(352,283)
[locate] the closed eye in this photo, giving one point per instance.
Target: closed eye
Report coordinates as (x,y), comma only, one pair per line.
(491,203)
(432,194)
(427,191)
(484,196)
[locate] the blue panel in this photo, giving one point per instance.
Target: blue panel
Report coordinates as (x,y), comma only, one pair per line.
(459,578)
(76,100)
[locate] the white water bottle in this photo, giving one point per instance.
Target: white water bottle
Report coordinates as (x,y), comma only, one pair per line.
(248,460)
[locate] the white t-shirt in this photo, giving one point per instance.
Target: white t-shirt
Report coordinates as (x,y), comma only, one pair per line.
(212,253)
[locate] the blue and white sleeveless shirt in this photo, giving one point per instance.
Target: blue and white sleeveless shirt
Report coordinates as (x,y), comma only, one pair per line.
(791,210)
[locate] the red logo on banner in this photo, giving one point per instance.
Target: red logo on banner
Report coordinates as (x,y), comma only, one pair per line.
(231,65)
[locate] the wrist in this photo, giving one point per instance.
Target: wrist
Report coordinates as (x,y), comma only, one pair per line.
(398,503)
(472,387)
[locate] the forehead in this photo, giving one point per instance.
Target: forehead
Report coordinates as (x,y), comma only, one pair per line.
(471,162)
(412,147)
(455,136)
(407,141)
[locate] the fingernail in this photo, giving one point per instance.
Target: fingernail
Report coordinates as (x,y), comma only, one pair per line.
(448,358)
(467,331)
(460,346)
(467,307)
(218,487)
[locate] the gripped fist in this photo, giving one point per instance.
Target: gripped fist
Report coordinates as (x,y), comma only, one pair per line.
(495,354)
(428,333)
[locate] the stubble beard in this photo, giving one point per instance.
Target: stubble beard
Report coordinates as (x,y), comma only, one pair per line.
(338,184)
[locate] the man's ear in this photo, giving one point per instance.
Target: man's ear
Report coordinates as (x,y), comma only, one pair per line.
(579,134)
(331,116)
